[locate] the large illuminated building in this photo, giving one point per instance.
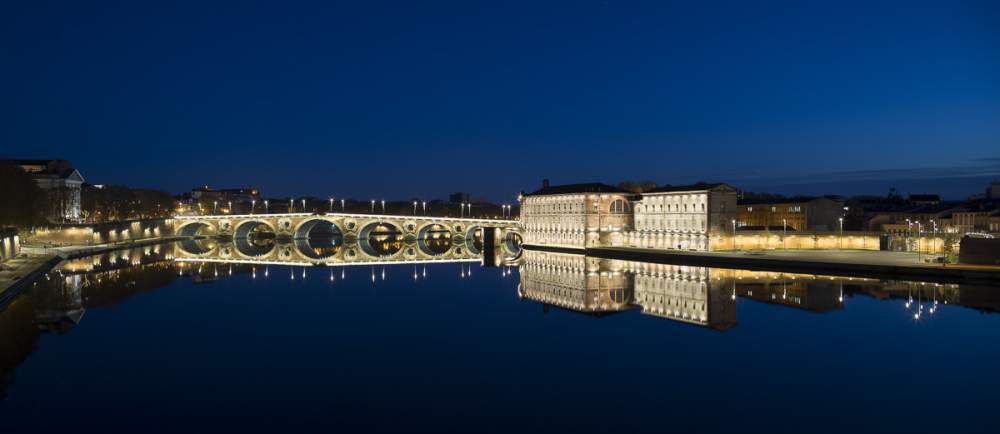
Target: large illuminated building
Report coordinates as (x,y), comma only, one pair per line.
(689,217)
(686,217)
(576,215)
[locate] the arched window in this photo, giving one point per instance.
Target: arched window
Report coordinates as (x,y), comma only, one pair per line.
(618,206)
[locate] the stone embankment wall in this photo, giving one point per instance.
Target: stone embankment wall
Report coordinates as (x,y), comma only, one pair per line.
(10,244)
(980,251)
(83,235)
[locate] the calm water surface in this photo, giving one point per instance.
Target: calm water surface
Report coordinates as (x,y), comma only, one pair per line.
(139,342)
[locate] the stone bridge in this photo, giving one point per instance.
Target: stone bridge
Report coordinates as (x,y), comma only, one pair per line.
(329,238)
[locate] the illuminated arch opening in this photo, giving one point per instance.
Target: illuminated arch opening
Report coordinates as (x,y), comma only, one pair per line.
(319,239)
(474,240)
(380,239)
(196,229)
(434,239)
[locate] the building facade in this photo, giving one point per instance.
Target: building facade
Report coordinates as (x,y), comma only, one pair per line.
(576,215)
(62,183)
(684,217)
(796,214)
(688,217)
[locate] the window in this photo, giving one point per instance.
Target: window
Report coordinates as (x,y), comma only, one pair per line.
(618,206)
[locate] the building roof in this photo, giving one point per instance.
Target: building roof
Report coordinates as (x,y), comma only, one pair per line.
(701,186)
(32,162)
(592,187)
(787,200)
(55,167)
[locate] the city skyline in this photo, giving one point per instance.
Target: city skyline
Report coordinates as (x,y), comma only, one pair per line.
(423,100)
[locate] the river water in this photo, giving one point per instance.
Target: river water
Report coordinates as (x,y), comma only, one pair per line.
(141,341)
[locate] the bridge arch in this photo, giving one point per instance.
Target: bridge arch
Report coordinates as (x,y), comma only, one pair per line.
(196,228)
(434,239)
(317,228)
(512,243)
(197,247)
(246,228)
(474,239)
(380,239)
(318,238)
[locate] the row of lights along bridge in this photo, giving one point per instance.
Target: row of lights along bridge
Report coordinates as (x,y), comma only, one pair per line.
(466,208)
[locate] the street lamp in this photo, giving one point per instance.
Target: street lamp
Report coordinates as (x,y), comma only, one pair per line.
(266,211)
(291,204)
(373,206)
(841,220)
(908,225)
(253,203)
(919,255)
(229,207)
(414,213)
(303,205)
(331,204)
(784,233)
(734,235)
(383,206)
(934,239)
(341,205)
(424,205)
(215,207)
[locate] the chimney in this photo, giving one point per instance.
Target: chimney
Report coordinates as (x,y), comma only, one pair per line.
(545,183)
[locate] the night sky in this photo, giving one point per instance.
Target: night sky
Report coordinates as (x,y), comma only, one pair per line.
(411,99)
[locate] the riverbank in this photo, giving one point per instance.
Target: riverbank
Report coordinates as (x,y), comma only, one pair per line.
(18,273)
(873,264)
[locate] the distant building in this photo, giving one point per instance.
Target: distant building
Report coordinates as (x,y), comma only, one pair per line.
(61,181)
(901,220)
(799,214)
(459,197)
(925,199)
(993,191)
(224,195)
(994,222)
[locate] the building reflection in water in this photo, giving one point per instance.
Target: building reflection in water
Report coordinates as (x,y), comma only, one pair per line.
(603,286)
(707,296)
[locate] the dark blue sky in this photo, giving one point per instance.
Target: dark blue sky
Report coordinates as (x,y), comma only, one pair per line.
(399,99)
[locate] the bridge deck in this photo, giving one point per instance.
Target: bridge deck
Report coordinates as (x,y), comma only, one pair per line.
(348,215)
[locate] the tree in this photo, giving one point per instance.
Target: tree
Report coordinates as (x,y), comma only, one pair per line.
(117,203)
(22,202)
